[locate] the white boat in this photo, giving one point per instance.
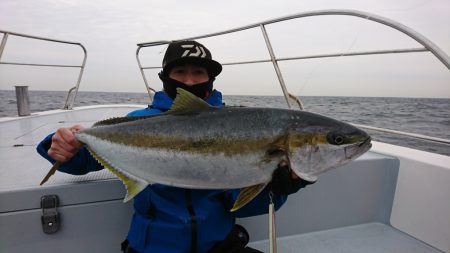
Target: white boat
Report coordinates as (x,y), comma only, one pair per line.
(392,199)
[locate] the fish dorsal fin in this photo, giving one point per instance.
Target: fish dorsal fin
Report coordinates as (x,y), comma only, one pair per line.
(186,101)
(117,120)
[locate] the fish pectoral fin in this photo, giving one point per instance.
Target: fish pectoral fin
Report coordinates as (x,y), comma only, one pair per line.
(281,145)
(133,185)
(246,195)
(274,153)
(278,149)
(186,102)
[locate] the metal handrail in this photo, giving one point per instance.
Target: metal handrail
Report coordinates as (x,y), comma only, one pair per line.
(304,57)
(428,46)
(411,135)
(69,102)
(150,90)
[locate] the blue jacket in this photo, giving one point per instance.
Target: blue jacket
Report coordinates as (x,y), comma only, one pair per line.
(169,219)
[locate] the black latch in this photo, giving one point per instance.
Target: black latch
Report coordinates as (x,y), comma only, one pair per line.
(50,216)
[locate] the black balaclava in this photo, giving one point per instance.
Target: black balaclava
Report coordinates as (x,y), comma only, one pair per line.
(201,90)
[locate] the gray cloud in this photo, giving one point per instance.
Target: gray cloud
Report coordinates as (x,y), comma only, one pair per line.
(111,29)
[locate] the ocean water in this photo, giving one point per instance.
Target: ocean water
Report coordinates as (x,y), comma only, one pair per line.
(427,116)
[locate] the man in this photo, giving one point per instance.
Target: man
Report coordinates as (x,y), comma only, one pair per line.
(170,219)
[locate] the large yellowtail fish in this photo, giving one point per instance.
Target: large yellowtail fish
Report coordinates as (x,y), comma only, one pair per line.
(195,145)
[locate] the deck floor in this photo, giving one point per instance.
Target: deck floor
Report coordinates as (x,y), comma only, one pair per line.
(368,238)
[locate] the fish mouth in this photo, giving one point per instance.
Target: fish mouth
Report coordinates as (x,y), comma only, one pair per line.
(366,142)
(358,149)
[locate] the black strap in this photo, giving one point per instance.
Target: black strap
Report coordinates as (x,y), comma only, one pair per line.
(193,218)
(235,242)
(125,247)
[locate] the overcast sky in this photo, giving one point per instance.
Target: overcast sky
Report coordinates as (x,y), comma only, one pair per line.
(110,30)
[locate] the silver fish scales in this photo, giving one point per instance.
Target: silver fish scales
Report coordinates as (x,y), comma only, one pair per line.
(197,146)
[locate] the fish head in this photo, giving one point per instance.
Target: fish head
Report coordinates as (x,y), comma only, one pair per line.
(317,144)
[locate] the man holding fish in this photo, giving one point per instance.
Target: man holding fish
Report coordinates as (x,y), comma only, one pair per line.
(172,212)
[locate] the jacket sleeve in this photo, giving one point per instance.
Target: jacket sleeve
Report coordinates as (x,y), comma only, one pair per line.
(83,162)
(80,164)
(259,205)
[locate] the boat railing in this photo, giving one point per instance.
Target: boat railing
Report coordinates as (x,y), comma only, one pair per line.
(72,92)
(291,99)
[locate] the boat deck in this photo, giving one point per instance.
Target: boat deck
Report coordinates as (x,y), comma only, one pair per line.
(22,166)
(369,238)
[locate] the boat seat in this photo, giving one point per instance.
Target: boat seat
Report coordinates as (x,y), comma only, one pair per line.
(369,238)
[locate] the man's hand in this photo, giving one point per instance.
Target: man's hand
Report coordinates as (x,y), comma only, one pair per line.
(285,181)
(64,144)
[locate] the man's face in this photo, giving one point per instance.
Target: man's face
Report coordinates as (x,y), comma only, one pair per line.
(189,74)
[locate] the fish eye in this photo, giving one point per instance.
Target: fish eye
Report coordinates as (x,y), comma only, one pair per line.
(339,139)
(335,138)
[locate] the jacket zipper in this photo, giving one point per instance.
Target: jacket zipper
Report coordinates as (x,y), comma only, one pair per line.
(193,220)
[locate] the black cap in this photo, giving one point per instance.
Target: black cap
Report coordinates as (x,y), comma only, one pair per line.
(189,51)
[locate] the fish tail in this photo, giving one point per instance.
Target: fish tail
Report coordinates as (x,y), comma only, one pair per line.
(51,172)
